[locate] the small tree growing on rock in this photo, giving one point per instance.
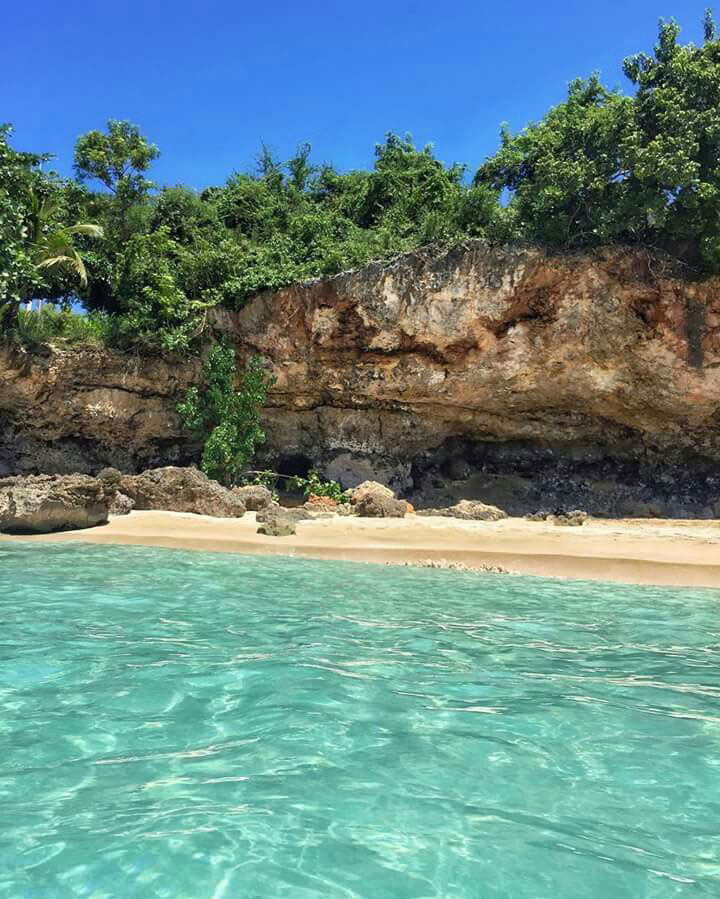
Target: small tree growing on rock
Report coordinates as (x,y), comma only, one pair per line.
(225,419)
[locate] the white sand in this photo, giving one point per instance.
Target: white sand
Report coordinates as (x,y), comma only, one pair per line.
(680,553)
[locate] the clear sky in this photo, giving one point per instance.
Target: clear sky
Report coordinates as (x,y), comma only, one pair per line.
(208,81)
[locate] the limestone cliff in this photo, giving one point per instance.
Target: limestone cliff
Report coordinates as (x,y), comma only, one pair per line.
(508,374)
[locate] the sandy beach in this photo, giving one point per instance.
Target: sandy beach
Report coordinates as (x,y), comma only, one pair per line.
(677,553)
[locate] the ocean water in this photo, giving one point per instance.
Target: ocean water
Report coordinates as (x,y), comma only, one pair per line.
(195,725)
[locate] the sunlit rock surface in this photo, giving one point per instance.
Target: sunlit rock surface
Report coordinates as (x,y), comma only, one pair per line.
(507,375)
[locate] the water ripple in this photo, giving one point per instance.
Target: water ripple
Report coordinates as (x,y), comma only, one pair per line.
(196,725)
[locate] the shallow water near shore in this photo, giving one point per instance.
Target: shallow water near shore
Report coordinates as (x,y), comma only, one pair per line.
(182,724)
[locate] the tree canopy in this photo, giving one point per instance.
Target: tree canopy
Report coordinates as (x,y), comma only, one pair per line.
(603,167)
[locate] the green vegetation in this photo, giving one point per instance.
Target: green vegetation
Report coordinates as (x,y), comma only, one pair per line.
(641,169)
(314,485)
(601,167)
(61,326)
(225,419)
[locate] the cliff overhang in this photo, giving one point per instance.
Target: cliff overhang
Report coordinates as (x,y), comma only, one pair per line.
(454,366)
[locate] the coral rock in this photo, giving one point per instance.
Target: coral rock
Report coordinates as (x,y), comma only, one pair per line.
(254,497)
(376,505)
(181,490)
(469,510)
(278,527)
(45,503)
(121,505)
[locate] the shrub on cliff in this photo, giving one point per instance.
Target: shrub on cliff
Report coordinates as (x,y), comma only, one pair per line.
(61,326)
(225,419)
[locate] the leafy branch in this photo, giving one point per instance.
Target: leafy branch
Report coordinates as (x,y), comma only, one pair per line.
(225,419)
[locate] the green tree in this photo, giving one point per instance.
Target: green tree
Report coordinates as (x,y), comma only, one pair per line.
(152,309)
(604,167)
(300,169)
(672,147)
(118,159)
(566,173)
(225,419)
(18,274)
(41,253)
(54,246)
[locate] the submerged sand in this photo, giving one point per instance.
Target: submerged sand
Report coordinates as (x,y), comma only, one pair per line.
(677,553)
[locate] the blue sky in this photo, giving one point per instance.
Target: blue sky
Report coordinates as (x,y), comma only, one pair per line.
(208,81)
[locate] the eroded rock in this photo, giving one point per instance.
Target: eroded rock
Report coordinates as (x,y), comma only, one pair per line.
(374,500)
(276,511)
(278,527)
(174,489)
(468,510)
(575,518)
(279,521)
(45,503)
(376,505)
(254,497)
(121,505)
(111,477)
(370,488)
(560,369)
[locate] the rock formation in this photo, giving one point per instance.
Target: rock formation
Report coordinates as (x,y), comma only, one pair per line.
(469,510)
(174,489)
(45,503)
(373,500)
(508,375)
(254,497)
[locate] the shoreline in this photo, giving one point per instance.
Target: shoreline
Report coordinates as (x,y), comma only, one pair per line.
(632,551)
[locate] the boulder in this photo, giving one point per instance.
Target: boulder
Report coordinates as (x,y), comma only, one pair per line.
(174,489)
(278,527)
(121,505)
(377,505)
(357,494)
(44,503)
(575,518)
(275,511)
(373,500)
(254,497)
(111,477)
(468,510)
(278,521)
(540,515)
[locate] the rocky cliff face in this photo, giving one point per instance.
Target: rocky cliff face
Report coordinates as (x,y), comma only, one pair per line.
(506,374)
(83,409)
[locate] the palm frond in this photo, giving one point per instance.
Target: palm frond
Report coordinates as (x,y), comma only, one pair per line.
(95,231)
(71,260)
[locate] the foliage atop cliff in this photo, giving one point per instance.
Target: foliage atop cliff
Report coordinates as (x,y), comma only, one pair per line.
(602,167)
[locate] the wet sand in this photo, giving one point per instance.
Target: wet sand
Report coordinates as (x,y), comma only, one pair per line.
(677,553)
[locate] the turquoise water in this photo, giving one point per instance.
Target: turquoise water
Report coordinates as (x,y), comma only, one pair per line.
(195,725)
